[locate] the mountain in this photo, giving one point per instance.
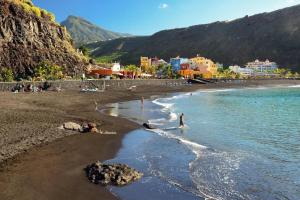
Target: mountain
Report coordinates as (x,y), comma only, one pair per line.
(274,36)
(29,36)
(84,32)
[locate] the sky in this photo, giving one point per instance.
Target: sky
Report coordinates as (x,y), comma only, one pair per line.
(145,17)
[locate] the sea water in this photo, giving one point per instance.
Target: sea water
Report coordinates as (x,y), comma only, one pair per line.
(237,144)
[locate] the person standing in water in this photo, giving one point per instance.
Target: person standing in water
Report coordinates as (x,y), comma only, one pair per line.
(181,124)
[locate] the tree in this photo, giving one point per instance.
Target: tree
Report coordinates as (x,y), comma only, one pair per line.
(132,68)
(289,74)
(85,51)
(6,75)
(167,71)
(281,72)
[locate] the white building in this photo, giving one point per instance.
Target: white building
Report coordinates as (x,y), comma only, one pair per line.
(262,67)
(116,67)
(242,71)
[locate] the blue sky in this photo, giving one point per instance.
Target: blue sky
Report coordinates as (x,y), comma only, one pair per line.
(145,17)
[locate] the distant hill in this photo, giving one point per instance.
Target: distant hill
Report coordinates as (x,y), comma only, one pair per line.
(84,32)
(274,36)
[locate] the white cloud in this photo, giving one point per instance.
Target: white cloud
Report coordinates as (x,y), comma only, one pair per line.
(163,6)
(292,1)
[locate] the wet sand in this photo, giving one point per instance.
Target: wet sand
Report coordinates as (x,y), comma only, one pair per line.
(49,164)
(54,169)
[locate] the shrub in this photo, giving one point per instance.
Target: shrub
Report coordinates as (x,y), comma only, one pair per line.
(48,15)
(48,71)
(6,75)
(85,51)
(28,6)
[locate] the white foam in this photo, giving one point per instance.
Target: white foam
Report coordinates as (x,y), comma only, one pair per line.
(173,117)
(216,90)
(157,122)
(294,86)
(166,106)
(195,147)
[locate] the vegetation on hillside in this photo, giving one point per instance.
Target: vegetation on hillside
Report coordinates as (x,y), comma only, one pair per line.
(85,51)
(114,57)
(48,71)
(28,6)
(6,75)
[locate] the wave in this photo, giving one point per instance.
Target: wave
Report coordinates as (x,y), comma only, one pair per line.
(173,117)
(166,106)
(217,90)
(157,122)
(195,147)
(294,86)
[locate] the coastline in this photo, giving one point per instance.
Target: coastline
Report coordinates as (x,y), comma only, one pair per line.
(54,170)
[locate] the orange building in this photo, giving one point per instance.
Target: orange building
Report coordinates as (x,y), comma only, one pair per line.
(101,72)
(186,73)
(205,67)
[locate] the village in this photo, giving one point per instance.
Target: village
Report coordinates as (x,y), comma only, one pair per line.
(188,68)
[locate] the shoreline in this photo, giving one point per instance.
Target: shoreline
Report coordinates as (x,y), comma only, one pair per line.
(54,170)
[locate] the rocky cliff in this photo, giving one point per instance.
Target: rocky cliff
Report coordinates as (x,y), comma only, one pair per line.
(26,39)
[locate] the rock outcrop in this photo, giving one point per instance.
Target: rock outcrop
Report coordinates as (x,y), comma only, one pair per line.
(27,39)
(116,174)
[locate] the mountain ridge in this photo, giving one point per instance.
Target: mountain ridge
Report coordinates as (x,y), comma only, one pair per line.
(274,36)
(85,32)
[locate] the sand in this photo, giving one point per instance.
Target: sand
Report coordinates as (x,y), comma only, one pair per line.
(39,161)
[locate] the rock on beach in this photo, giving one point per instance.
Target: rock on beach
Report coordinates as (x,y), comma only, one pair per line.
(72,126)
(114,174)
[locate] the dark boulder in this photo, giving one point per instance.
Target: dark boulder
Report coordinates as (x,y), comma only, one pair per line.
(115,174)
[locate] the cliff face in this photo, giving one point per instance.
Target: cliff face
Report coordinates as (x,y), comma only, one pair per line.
(274,36)
(27,39)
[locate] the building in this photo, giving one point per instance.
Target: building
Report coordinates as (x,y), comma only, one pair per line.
(116,67)
(156,62)
(262,68)
(207,66)
(203,72)
(185,66)
(244,72)
(145,63)
(177,62)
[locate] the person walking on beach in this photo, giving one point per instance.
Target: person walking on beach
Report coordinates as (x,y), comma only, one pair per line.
(83,77)
(142,101)
(181,124)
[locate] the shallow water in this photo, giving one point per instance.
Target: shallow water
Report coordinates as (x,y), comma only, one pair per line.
(237,144)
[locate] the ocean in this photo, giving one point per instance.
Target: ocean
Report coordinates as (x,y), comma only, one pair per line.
(236,144)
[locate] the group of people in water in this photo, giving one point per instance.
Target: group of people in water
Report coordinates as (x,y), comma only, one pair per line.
(148,126)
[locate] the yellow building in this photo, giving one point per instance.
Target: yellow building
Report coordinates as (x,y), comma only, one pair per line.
(145,63)
(207,66)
